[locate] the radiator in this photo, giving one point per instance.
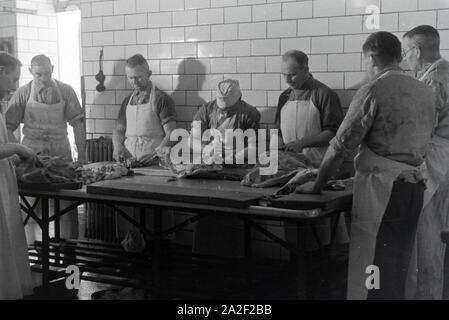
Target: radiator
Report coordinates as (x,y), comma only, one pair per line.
(100,219)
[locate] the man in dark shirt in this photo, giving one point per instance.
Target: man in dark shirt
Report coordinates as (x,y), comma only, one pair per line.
(228,112)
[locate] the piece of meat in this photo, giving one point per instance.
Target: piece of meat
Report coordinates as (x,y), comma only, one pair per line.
(301,177)
(289,164)
(275,181)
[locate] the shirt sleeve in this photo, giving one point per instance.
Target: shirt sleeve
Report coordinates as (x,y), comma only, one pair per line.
(331,112)
(253,120)
(166,109)
(441,91)
(202,116)
(356,124)
(16,108)
(73,110)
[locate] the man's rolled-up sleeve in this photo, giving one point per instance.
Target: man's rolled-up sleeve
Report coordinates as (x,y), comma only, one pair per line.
(331,111)
(356,124)
(16,109)
(167,109)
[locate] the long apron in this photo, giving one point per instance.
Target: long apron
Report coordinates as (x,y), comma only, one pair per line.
(144,133)
(45,132)
(426,272)
(15,272)
(219,235)
(373,184)
(301,119)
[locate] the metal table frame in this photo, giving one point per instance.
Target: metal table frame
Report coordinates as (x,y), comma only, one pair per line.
(298,217)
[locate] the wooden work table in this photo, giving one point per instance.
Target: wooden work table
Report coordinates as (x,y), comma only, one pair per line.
(155,189)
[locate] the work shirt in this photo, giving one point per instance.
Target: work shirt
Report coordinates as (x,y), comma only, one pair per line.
(323,98)
(393,115)
(436,76)
(240,116)
(165,107)
(46,95)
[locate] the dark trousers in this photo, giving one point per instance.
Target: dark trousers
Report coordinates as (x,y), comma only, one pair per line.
(395,240)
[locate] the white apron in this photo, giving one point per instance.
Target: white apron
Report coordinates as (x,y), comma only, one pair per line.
(301,119)
(144,131)
(373,184)
(45,132)
(15,273)
(45,127)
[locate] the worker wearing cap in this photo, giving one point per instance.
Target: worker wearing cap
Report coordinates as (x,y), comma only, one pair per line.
(223,235)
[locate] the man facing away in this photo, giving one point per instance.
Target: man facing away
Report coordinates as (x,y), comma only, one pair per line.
(390,120)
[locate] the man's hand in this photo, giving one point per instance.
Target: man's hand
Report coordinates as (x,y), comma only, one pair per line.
(120,152)
(308,188)
(295,146)
(25,153)
(147,159)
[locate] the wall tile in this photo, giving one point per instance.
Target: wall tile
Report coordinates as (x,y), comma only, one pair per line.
(302,44)
(237,48)
(282,29)
(224,32)
(297,10)
(329,8)
(267,12)
(184,18)
(223,65)
(256,30)
(237,14)
(253,64)
(172,35)
(211,16)
(210,49)
(313,27)
(198,33)
(136,21)
(327,44)
(265,47)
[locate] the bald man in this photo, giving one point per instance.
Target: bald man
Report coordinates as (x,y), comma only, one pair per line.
(422,52)
(45,106)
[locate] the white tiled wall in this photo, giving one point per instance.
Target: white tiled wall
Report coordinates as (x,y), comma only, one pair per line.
(37,34)
(243,39)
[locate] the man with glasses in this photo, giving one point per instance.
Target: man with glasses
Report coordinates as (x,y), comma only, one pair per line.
(422,52)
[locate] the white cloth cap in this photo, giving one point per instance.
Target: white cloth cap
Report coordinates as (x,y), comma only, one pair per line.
(228,93)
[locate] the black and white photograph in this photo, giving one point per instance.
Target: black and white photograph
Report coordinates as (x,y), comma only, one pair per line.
(224,155)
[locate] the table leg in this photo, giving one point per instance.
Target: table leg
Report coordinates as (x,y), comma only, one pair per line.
(247,240)
(157,256)
(143,222)
(301,263)
(57,231)
(45,243)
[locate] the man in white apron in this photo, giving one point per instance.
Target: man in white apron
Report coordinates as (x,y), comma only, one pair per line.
(146,119)
(45,106)
(308,116)
(422,52)
(219,235)
(391,118)
(15,272)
